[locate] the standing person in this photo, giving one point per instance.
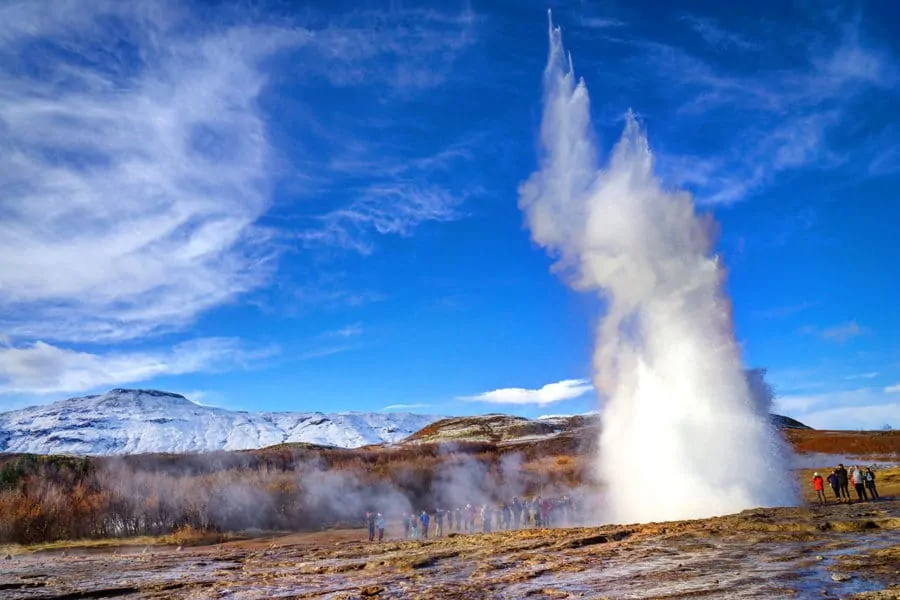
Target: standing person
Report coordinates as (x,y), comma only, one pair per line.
(546,506)
(379,525)
(450,520)
(819,486)
(833,481)
(870,483)
(424,519)
(405,518)
(439,517)
(536,510)
(859,483)
(370,521)
(413,525)
(516,512)
(843,482)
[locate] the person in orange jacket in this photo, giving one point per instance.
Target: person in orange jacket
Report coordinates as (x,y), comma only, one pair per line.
(819,485)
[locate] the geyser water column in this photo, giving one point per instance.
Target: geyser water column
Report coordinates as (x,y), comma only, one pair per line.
(682,434)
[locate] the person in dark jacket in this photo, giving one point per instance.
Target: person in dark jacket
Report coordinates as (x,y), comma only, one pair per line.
(833,482)
(843,482)
(439,517)
(424,519)
(869,476)
(859,483)
(370,521)
(379,525)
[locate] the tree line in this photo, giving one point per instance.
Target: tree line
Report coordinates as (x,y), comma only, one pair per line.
(288,488)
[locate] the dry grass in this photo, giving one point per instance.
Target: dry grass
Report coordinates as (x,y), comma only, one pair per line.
(140,541)
(865,443)
(188,535)
(185,536)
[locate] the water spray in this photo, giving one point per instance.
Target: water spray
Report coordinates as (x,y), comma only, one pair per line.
(683,435)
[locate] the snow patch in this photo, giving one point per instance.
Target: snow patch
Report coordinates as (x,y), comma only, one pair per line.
(139,421)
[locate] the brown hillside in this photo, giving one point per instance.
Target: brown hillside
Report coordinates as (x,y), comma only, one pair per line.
(881,444)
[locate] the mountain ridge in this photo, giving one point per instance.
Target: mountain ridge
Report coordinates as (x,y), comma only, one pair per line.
(139,421)
(133,421)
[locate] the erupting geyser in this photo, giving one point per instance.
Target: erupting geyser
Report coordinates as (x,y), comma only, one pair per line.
(683,436)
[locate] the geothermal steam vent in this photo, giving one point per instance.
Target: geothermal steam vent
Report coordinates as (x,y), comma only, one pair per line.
(683,436)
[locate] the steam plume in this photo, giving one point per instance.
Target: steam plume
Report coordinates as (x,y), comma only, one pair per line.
(683,435)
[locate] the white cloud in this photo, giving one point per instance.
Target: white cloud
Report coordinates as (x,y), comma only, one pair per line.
(42,368)
(391,407)
(590,413)
(780,312)
(892,389)
(352,330)
(548,394)
(782,119)
(134,166)
(600,23)
(862,408)
(871,375)
(715,35)
(324,351)
(843,332)
(391,208)
(870,417)
(409,50)
(136,163)
(838,333)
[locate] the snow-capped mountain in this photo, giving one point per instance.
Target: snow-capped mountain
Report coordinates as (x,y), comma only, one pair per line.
(135,421)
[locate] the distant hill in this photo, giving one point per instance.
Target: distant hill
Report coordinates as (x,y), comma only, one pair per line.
(507,429)
(139,421)
(126,421)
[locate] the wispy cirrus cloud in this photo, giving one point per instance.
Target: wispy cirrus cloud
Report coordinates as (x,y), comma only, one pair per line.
(861,408)
(870,375)
(548,394)
(837,333)
(395,407)
(780,312)
(324,351)
(408,49)
(778,119)
(717,36)
(42,368)
(352,330)
(134,164)
(137,162)
(600,22)
(395,208)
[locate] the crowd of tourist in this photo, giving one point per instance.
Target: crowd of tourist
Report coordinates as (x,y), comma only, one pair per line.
(840,479)
(569,510)
(471,518)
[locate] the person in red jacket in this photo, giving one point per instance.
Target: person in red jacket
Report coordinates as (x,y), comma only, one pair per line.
(819,485)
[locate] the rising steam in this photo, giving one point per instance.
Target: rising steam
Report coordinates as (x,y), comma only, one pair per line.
(683,435)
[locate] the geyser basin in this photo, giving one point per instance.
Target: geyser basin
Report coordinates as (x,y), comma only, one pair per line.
(683,435)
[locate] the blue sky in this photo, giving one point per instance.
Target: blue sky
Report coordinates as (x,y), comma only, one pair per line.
(283,208)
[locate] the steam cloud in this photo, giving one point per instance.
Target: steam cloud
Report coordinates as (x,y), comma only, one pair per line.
(684,435)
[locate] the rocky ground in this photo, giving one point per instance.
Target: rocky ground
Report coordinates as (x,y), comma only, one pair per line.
(817,552)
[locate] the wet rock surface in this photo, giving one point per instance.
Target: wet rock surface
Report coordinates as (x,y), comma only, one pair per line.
(835,551)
